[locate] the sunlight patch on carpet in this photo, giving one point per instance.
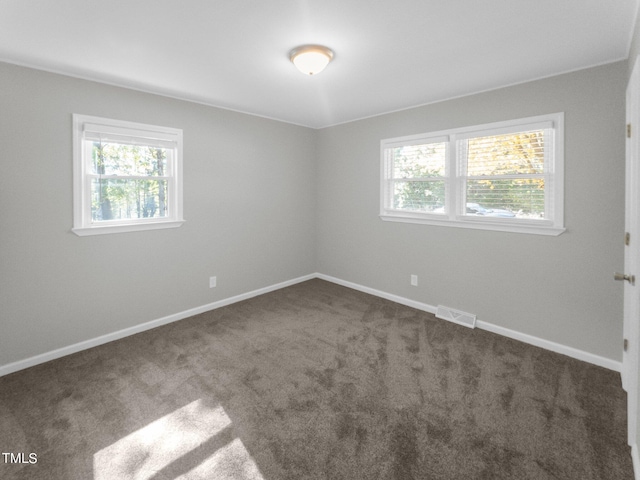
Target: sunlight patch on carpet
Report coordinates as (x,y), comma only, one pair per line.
(231,462)
(192,442)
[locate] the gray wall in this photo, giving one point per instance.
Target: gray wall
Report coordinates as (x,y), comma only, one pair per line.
(249,206)
(556,288)
(266,202)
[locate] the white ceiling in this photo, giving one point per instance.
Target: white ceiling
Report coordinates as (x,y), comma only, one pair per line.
(389,54)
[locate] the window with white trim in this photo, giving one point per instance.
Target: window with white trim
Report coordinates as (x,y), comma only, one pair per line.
(127,176)
(505,176)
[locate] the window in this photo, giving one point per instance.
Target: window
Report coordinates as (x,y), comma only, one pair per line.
(502,176)
(127,176)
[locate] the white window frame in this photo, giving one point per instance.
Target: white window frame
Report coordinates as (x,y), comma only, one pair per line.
(144,134)
(454,214)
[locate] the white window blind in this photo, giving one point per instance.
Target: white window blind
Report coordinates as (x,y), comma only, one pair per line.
(129,136)
(507,173)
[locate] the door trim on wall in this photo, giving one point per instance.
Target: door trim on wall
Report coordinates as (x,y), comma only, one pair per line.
(631,329)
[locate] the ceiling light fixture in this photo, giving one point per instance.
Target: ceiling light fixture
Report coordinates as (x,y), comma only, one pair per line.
(311,59)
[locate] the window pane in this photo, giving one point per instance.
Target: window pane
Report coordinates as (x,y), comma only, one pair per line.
(521,198)
(120,159)
(512,154)
(414,161)
(425,196)
(118,199)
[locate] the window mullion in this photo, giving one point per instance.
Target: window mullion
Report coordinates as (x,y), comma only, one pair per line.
(419,179)
(461,176)
(452,175)
(128,177)
(523,176)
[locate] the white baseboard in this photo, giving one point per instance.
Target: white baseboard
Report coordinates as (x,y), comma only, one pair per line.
(553,346)
(523,337)
(110,337)
(379,293)
(77,347)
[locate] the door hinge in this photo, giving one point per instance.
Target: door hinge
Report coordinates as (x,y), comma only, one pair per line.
(627,239)
(625,344)
(628,130)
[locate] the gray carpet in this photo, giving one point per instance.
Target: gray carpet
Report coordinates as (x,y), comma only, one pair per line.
(315,381)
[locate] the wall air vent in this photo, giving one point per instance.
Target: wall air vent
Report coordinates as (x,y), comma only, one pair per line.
(456,316)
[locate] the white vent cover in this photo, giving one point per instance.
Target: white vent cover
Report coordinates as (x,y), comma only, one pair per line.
(456,316)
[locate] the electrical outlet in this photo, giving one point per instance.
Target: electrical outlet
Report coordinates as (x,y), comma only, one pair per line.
(212,282)
(414,280)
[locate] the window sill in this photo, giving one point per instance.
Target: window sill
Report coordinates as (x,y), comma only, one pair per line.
(477,224)
(122,228)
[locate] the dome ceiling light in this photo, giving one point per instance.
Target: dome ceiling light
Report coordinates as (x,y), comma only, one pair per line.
(311,59)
